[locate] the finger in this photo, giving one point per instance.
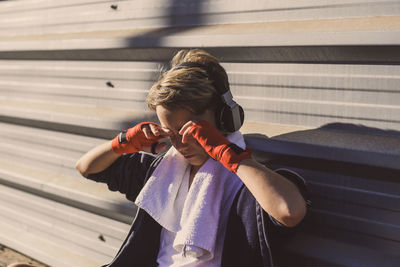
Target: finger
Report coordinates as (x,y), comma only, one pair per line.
(185,134)
(185,126)
(147,131)
(164,132)
(155,129)
(159,131)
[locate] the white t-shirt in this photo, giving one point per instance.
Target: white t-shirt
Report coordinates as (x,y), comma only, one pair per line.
(168,256)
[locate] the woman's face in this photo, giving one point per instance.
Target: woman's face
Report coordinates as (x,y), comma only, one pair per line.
(173,120)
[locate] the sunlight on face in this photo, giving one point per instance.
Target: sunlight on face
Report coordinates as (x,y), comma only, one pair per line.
(173,120)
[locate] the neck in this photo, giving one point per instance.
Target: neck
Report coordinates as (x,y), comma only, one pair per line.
(193,171)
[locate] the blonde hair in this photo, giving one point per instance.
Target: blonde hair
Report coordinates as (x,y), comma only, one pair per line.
(192,88)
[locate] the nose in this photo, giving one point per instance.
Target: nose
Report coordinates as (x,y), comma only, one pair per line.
(176,141)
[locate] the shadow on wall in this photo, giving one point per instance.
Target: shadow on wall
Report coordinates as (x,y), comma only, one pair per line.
(352,180)
(319,135)
(348,136)
(334,142)
(361,129)
(180,16)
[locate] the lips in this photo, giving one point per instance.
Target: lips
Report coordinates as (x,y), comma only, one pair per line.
(188,156)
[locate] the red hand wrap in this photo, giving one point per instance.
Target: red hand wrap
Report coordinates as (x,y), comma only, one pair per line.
(134,140)
(218,146)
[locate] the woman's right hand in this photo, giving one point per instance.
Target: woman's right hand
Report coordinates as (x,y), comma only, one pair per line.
(142,137)
(139,138)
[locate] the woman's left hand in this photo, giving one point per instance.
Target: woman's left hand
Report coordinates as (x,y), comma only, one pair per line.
(214,143)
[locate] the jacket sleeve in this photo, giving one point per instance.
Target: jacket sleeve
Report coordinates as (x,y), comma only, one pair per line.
(126,175)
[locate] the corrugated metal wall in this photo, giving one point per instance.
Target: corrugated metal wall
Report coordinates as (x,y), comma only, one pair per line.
(75,72)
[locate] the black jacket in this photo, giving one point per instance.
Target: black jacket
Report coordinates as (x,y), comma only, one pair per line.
(249,235)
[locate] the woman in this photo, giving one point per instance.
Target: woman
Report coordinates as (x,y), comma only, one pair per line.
(205,202)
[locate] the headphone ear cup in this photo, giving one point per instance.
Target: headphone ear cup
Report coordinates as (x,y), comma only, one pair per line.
(230,119)
(241,118)
(241,111)
(218,118)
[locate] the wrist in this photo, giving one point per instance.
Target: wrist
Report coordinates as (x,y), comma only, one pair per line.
(120,144)
(233,156)
(134,139)
(218,146)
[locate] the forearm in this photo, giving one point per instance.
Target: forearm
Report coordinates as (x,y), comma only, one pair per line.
(97,159)
(138,138)
(277,196)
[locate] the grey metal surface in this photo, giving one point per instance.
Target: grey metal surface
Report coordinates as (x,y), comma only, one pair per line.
(352,177)
(49,211)
(56,233)
(43,161)
(313,95)
(97,25)
(104,94)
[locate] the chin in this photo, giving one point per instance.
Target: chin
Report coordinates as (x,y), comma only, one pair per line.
(196,161)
